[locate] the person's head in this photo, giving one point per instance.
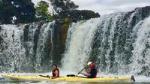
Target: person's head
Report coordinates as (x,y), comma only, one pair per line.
(91,64)
(54,66)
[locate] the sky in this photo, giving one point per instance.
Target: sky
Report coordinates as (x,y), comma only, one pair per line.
(111,6)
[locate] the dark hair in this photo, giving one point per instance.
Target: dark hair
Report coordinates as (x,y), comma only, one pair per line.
(55,65)
(92,60)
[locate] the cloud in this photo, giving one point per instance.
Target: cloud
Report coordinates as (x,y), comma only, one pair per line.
(111,6)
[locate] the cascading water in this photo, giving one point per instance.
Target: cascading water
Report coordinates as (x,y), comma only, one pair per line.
(26,48)
(12,52)
(79,44)
(141,52)
(118,42)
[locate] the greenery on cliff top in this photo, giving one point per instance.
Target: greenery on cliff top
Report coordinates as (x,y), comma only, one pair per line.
(63,5)
(23,11)
(42,11)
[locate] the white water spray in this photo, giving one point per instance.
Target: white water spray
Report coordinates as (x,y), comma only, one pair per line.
(26,47)
(11,35)
(80,36)
(116,38)
(141,52)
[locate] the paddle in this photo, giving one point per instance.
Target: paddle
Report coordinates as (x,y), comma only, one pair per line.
(81,70)
(47,76)
(72,75)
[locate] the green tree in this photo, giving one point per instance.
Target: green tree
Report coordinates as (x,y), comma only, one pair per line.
(63,5)
(42,11)
(23,10)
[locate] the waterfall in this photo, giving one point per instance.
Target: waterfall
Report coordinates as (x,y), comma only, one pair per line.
(12,52)
(119,43)
(141,52)
(80,36)
(26,47)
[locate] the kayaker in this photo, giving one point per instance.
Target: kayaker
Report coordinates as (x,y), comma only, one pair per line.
(55,71)
(91,70)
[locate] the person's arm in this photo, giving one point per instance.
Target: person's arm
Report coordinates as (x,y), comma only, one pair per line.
(86,74)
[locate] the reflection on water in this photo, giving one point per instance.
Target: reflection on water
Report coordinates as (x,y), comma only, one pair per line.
(139,80)
(46,82)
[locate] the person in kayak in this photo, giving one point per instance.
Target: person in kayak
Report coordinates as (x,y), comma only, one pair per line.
(91,70)
(55,72)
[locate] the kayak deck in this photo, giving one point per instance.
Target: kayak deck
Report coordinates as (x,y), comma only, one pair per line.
(68,79)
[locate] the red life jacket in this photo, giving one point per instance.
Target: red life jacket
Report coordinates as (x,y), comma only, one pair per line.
(92,66)
(54,74)
(93,72)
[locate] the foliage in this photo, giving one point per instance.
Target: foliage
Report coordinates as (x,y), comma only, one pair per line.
(42,11)
(67,9)
(63,5)
(76,15)
(23,10)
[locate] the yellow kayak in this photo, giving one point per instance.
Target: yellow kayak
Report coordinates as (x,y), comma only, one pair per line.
(69,79)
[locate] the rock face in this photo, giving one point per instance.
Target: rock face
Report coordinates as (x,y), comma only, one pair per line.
(143,12)
(16,11)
